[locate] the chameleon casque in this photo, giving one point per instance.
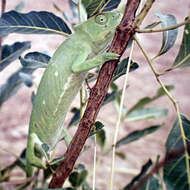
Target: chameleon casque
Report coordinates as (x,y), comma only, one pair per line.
(61,81)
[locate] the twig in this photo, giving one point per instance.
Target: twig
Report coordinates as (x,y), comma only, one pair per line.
(175,66)
(163,29)
(175,105)
(168,158)
(138,21)
(94,165)
(124,33)
(119,119)
(140,17)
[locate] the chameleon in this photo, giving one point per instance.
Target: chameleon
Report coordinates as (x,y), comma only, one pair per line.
(85,49)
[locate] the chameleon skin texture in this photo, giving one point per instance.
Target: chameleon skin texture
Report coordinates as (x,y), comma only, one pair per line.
(62,80)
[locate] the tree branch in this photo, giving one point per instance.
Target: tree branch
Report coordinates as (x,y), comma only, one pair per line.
(124,33)
(170,156)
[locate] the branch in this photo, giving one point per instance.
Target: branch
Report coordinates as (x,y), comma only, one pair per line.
(175,103)
(163,29)
(124,33)
(170,156)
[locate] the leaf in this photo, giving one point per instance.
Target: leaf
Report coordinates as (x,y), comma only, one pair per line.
(20,162)
(175,172)
(101,137)
(78,10)
(136,135)
(183,57)
(42,22)
(76,117)
(152,25)
(95,6)
(146,100)
(85,186)
(19,6)
(26,78)
(15,81)
(12,52)
(122,68)
(151,184)
(143,171)
(120,155)
(97,127)
(110,97)
(77,178)
(170,36)
(35,60)
(11,86)
(146,113)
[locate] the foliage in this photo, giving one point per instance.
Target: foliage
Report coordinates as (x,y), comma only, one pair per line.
(175,173)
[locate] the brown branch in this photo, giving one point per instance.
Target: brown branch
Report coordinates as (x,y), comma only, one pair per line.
(170,156)
(124,33)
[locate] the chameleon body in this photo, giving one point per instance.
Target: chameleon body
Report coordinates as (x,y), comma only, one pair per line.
(61,81)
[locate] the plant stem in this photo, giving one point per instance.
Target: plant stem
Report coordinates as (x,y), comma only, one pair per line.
(119,120)
(163,29)
(175,105)
(94,167)
(140,17)
(175,66)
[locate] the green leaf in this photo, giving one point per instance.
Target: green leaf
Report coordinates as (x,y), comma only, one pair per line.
(136,135)
(26,79)
(12,52)
(35,60)
(122,68)
(97,127)
(20,162)
(74,8)
(143,171)
(78,10)
(154,24)
(146,100)
(16,80)
(151,184)
(101,137)
(175,172)
(111,4)
(183,57)
(85,186)
(77,178)
(146,113)
(95,6)
(76,117)
(110,97)
(120,155)
(42,22)
(170,36)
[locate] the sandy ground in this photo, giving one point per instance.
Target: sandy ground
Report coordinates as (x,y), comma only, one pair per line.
(15,113)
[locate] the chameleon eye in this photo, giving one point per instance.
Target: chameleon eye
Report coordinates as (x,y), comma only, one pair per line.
(101,19)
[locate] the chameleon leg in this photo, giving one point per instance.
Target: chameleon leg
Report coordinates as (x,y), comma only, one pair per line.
(30,153)
(88,64)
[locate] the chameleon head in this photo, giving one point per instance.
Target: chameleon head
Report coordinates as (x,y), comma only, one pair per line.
(101,27)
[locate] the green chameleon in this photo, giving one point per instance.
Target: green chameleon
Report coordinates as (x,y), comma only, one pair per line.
(82,51)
